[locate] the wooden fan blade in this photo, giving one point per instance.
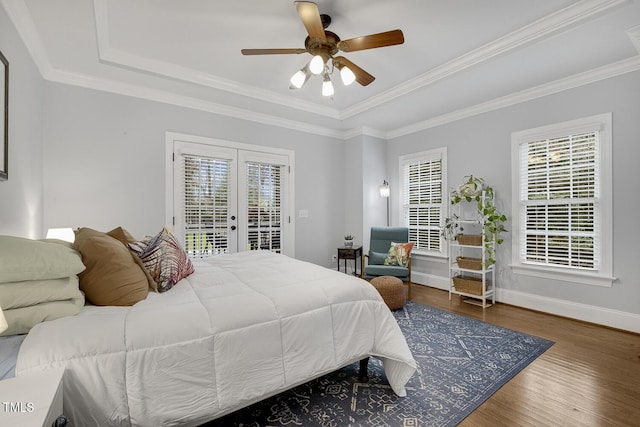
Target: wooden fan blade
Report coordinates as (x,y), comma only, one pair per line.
(362,76)
(272,51)
(388,38)
(310,16)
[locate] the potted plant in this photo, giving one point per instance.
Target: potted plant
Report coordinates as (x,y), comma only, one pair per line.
(489,218)
(348,240)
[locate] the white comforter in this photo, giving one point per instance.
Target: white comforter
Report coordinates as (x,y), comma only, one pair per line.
(241,328)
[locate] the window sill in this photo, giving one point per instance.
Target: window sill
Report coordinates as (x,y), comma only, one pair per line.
(592,279)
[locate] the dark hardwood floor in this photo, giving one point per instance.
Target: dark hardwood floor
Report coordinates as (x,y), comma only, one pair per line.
(589,377)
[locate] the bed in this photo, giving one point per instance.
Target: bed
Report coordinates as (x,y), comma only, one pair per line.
(240,328)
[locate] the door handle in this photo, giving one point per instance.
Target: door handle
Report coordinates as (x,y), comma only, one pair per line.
(233,227)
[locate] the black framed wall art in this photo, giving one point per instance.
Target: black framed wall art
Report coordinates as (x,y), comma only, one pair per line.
(4,117)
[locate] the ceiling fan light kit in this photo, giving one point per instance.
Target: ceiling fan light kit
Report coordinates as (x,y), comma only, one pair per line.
(324,45)
(316,65)
(347,76)
(327,86)
(300,77)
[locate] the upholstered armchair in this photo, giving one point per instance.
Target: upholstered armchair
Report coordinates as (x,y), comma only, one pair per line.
(373,263)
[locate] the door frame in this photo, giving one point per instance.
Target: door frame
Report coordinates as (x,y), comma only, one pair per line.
(173,137)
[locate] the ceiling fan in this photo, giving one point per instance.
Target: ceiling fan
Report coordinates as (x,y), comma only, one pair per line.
(324,45)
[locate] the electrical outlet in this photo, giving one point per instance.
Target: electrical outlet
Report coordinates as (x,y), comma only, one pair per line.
(334,258)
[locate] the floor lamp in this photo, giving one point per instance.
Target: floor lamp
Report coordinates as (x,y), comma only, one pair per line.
(384,192)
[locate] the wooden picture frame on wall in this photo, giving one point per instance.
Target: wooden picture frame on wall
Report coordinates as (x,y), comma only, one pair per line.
(4,117)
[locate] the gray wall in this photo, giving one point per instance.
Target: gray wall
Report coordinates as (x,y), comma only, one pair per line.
(365,158)
(374,171)
(353,183)
(21,195)
(104,165)
(481,146)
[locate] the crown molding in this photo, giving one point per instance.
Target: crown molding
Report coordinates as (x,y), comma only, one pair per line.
(600,73)
(166,69)
(21,17)
(136,91)
(364,131)
(117,57)
(634,35)
(543,27)
(22,21)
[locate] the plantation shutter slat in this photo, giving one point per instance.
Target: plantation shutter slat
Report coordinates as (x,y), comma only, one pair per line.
(559,197)
(423,202)
(205,195)
(264,204)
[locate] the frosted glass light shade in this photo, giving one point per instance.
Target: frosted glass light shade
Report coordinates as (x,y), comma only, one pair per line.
(384,189)
(298,79)
(316,65)
(347,76)
(65,234)
(327,88)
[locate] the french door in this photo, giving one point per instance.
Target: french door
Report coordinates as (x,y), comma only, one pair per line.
(228,199)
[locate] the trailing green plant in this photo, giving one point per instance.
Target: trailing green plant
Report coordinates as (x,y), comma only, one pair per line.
(489,218)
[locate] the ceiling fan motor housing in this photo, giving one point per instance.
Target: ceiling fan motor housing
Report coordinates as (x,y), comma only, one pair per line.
(326,49)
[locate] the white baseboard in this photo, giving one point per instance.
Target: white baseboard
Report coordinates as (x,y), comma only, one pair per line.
(437,282)
(574,310)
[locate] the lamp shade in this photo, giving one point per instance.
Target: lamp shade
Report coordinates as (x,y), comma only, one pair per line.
(65,234)
(3,322)
(384,189)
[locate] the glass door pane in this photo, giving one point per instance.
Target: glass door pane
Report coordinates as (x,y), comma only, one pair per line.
(207,200)
(264,206)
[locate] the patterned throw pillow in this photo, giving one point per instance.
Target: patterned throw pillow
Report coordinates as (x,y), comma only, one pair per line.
(399,254)
(164,259)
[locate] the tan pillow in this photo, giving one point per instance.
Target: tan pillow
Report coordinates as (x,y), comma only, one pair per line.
(112,276)
(125,237)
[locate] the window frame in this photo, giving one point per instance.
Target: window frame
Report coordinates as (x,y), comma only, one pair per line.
(425,156)
(603,276)
(244,151)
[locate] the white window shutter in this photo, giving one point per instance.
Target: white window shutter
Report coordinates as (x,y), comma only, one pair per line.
(560,201)
(264,205)
(205,194)
(422,200)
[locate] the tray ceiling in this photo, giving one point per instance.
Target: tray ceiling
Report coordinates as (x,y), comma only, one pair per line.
(460,57)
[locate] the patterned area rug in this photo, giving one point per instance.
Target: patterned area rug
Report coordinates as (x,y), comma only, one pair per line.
(461,362)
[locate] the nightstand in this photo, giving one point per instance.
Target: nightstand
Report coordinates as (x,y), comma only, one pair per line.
(33,400)
(350,252)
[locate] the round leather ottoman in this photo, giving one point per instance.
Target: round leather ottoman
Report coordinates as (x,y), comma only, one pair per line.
(391,289)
